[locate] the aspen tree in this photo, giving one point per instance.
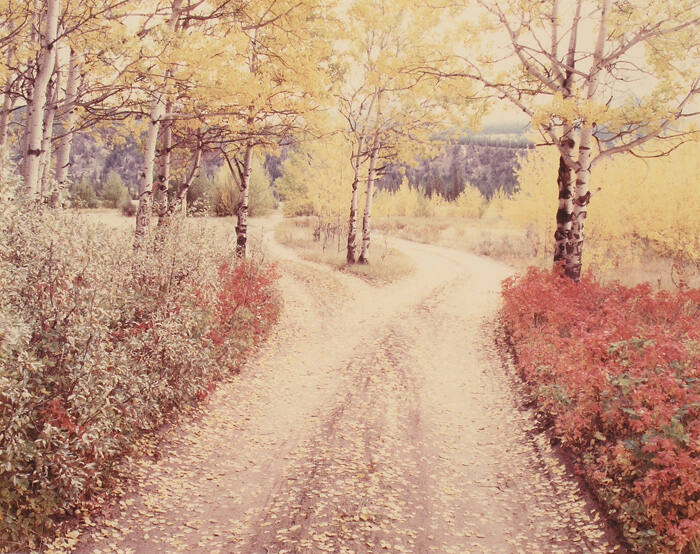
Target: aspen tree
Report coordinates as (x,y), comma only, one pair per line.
(281,85)
(8,101)
(314,179)
(157,111)
(628,76)
(366,218)
(391,110)
(53,97)
(357,106)
(35,119)
(68,120)
(82,27)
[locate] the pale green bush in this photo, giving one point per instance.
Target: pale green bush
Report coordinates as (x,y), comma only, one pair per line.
(98,342)
(83,195)
(225,195)
(114,192)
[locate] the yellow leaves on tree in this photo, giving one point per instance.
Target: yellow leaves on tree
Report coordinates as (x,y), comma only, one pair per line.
(642,206)
(316,180)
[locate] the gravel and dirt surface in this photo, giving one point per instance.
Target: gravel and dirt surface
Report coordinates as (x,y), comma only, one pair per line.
(374,419)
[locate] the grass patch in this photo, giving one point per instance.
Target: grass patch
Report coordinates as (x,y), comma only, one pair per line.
(522,248)
(493,239)
(386,266)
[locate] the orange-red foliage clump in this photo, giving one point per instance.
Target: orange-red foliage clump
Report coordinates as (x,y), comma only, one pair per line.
(616,371)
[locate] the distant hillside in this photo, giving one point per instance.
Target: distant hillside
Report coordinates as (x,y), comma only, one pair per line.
(487,162)
(90,159)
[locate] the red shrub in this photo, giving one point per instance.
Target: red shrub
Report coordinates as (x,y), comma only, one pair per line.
(616,370)
(247,294)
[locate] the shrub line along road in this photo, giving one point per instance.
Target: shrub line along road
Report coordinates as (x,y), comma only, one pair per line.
(373,419)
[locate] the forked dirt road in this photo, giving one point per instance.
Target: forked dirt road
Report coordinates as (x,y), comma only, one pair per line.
(374,419)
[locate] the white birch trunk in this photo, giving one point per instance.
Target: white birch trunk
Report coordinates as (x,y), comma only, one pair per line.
(8,103)
(566,183)
(352,221)
(181,199)
(366,219)
(5,116)
(68,118)
(146,175)
(49,116)
(583,177)
(35,118)
(30,71)
(242,225)
(574,254)
(160,200)
(566,176)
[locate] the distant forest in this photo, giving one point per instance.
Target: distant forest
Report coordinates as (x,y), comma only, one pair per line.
(487,161)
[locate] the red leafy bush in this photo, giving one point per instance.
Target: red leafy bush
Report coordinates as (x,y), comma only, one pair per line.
(247,294)
(615,369)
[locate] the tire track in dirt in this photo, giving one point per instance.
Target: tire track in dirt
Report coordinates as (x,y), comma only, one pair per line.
(358,483)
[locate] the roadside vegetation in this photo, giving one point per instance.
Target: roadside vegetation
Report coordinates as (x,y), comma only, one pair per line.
(360,116)
(643,225)
(615,373)
(325,244)
(99,344)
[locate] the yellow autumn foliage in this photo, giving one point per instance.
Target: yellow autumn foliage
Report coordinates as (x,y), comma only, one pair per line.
(410,201)
(639,207)
(316,180)
(406,201)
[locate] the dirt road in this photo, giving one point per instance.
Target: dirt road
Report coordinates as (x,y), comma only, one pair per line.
(374,419)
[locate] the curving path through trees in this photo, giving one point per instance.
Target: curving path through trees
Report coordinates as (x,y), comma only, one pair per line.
(373,419)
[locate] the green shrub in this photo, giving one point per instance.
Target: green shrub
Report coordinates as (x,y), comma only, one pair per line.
(224,198)
(225,195)
(114,191)
(98,343)
(83,194)
(199,195)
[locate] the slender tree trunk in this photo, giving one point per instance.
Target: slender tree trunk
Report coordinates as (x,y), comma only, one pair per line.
(574,254)
(35,118)
(68,118)
(583,194)
(566,177)
(7,102)
(352,221)
(242,225)
(146,175)
(371,177)
(7,105)
(181,197)
(566,183)
(5,116)
(163,182)
(49,116)
(24,142)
